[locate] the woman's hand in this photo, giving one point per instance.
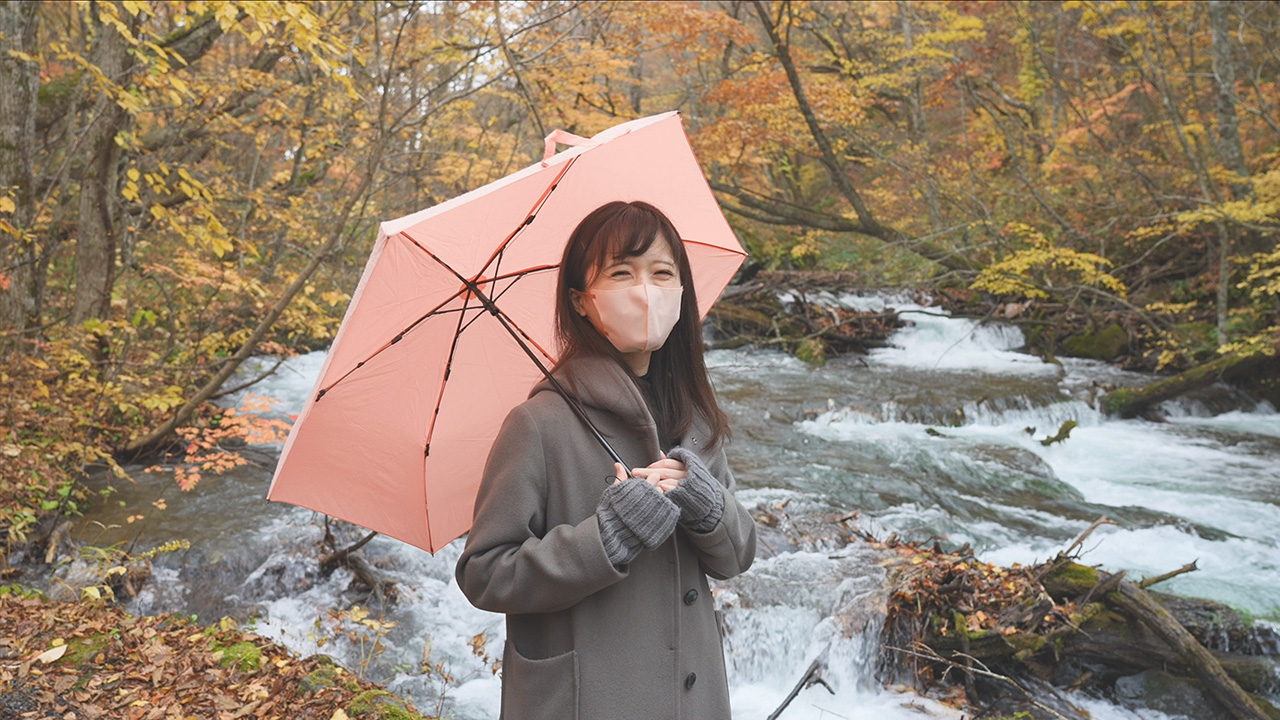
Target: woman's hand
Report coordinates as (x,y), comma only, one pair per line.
(665,474)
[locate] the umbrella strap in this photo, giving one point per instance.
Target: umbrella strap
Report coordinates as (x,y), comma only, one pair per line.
(564,138)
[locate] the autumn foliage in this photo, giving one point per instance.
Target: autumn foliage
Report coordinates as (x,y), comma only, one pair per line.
(187,183)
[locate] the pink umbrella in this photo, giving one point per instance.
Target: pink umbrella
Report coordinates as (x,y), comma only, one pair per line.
(452,317)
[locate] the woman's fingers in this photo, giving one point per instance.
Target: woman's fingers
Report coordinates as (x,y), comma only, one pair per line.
(648,475)
(669,464)
(620,472)
(666,484)
(655,475)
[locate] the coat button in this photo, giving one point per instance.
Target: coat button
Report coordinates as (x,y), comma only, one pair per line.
(689,680)
(691,597)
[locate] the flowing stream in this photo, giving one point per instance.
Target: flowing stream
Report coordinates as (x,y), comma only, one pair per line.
(938,436)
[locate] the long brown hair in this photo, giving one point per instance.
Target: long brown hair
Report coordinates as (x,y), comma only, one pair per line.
(677,374)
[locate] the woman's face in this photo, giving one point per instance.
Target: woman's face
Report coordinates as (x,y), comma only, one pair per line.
(657,266)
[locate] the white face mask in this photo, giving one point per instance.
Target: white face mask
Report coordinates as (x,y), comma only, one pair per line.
(638,318)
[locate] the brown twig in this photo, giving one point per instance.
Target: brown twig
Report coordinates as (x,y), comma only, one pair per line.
(330,561)
(1104,520)
(982,670)
(1145,583)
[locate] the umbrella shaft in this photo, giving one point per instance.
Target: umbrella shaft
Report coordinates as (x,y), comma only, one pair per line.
(573,403)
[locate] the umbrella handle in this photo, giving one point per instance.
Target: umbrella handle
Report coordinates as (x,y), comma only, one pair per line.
(563,137)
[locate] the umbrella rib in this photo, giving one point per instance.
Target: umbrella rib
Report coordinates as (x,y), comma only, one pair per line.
(433,311)
(687,241)
(528,220)
(533,212)
(448,368)
(508,326)
(498,297)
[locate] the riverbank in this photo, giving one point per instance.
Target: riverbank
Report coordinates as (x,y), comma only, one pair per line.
(93,660)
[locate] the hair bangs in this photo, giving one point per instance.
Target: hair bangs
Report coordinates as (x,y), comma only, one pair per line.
(629,232)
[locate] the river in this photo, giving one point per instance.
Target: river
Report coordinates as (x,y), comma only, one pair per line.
(938,436)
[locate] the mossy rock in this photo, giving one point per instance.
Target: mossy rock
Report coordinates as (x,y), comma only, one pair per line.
(1071,580)
(813,351)
(1253,673)
(380,705)
(325,676)
(1105,343)
(1170,694)
(243,656)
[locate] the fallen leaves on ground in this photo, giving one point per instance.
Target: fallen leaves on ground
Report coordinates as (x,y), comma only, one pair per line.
(85,661)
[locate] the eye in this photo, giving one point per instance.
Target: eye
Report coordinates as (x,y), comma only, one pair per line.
(620,274)
(665,274)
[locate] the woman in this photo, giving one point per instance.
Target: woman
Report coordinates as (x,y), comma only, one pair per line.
(603,576)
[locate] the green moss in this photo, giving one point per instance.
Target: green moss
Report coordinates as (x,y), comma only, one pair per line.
(1028,643)
(58,89)
(1070,580)
(325,676)
(1106,343)
(813,351)
(1268,709)
(84,650)
(380,705)
(1109,621)
(243,656)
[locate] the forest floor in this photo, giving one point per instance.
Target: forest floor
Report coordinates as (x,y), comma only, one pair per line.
(87,660)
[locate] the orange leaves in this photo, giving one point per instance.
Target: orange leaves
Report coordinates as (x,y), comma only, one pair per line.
(960,592)
(210,445)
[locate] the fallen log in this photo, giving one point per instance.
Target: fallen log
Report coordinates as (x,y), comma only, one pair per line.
(1068,625)
(339,557)
(811,331)
(1131,402)
(1225,690)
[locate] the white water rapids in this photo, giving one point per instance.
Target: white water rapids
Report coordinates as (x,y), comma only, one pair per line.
(851,435)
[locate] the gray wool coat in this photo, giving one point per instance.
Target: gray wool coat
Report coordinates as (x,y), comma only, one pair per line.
(587,640)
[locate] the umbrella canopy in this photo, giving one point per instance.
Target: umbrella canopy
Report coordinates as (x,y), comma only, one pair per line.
(426,364)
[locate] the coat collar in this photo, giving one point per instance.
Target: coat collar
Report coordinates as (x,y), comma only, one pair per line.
(601,383)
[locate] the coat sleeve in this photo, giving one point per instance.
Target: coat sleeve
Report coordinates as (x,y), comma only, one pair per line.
(512,562)
(730,547)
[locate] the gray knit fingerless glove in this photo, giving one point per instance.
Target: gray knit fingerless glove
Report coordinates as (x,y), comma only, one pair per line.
(698,496)
(633,516)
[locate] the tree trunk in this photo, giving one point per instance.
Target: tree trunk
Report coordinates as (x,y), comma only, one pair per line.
(1230,148)
(867,222)
(96,235)
(18,85)
(148,442)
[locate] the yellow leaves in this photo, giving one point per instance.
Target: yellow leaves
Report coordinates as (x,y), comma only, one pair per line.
(167,399)
(1170,307)
(1262,208)
(1196,130)
(1032,272)
(335,298)
(54,653)
(227,15)
(136,7)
